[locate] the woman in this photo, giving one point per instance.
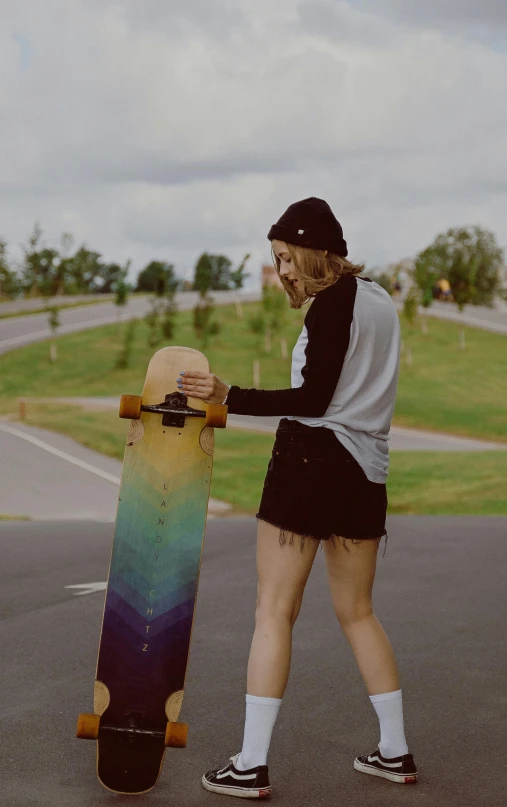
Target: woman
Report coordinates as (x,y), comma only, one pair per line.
(325,480)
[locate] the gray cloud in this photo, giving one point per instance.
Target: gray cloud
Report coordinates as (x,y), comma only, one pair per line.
(163,130)
(341,22)
(480,19)
(217,20)
(490,11)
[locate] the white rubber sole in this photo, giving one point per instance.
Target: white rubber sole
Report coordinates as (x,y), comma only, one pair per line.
(401,778)
(253,793)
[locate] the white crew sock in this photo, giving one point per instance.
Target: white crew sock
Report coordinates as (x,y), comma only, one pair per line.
(261,714)
(389,709)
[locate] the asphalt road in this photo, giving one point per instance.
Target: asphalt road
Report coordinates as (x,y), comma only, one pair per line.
(34,303)
(51,477)
(480,316)
(18,331)
(439,593)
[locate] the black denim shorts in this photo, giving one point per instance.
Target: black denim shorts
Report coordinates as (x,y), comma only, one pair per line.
(314,488)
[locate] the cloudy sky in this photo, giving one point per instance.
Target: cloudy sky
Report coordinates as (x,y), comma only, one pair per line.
(162,128)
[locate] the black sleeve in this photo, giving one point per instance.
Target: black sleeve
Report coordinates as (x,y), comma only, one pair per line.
(328,324)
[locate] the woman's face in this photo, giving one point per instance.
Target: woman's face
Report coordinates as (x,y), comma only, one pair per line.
(287,269)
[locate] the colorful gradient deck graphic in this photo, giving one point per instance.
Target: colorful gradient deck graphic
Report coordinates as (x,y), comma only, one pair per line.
(153,578)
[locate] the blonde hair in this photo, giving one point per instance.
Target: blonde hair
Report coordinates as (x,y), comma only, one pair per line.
(317,268)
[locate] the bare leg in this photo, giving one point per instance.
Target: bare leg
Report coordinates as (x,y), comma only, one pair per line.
(351,575)
(283,572)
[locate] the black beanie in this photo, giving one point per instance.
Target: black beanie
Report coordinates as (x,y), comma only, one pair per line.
(310,223)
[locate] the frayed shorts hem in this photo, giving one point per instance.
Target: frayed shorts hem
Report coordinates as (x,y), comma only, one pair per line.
(287,534)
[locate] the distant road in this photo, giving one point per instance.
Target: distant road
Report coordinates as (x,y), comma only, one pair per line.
(478,316)
(18,331)
(34,303)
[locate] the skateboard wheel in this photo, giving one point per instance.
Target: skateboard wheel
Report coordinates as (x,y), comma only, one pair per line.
(216,416)
(88,727)
(130,407)
(176,735)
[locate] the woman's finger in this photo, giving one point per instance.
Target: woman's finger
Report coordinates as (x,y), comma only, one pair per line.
(201,387)
(194,374)
(198,391)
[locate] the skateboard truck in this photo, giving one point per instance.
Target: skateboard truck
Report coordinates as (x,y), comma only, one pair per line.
(132,727)
(174,409)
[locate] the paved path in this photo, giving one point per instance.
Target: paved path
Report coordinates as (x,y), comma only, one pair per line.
(439,593)
(34,303)
(48,476)
(18,331)
(479,316)
(401,439)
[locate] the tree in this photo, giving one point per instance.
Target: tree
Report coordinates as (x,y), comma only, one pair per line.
(157,277)
(161,317)
(168,315)
(30,277)
(152,319)
(425,274)
(470,259)
(123,360)
(109,275)
(204,326)
(54,324)
(9,282)
(42,272)
(65,263)
(274,304)
(212,273)
(382,277)
(238,276)
(121,289)
(83,271)
(45,269)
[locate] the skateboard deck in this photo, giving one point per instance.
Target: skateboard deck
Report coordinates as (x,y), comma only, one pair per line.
(153,577)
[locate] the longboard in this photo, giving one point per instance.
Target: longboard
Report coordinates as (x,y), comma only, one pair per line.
(153,576)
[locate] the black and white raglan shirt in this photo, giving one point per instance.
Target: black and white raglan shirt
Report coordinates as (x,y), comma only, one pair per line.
(344,372)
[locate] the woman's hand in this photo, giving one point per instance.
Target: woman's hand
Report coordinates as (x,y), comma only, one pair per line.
(203,385)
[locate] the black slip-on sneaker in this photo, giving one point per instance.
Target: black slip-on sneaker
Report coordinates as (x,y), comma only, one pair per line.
(397,769)
(250,784)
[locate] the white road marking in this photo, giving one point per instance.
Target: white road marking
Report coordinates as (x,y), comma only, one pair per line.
(88,588)
(62,454)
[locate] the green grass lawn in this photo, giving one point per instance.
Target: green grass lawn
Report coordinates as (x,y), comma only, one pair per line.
(459,391)
(429,483)
(86,360)
(448,389)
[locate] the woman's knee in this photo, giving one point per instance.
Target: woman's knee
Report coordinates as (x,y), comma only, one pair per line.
(282,575)
(274,606)
(351,574)
(351,613)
